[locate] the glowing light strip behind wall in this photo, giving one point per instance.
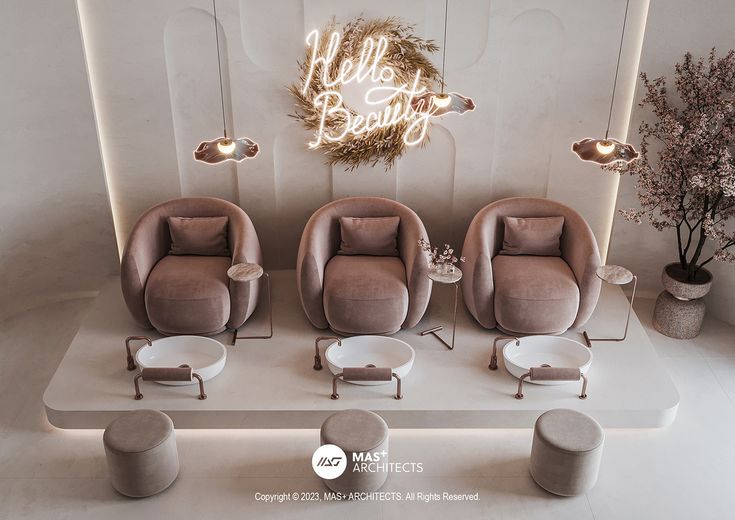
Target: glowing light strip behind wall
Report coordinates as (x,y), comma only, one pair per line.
(94,89)
(625,106)
(627,102)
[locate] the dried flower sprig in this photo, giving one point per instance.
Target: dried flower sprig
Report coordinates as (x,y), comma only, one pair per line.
(437,259)
(685,176)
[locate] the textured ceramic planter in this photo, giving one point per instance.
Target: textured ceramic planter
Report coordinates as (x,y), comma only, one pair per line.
(673,277)
(679,310)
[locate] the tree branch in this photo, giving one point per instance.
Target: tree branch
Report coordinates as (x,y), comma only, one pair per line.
(682,255)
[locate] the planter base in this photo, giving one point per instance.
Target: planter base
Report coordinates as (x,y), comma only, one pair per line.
(676,318)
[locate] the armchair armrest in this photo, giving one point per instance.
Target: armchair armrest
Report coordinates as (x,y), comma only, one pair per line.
(245,248)
(417,268)
(318,245)
(146,245)
(579,250)
(478,288)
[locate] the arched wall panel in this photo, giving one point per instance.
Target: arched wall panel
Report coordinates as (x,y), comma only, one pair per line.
(365,181)
(303,185)
(272,46)
(526,104)
(431,166)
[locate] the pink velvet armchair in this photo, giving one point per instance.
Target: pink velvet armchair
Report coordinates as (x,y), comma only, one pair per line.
(188,294)
(362,294)
(530,294)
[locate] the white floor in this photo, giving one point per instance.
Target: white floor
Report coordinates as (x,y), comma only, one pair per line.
(685,471)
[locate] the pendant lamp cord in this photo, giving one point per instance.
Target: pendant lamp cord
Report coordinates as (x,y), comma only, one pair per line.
(444,47)
(617,68)
(219,68)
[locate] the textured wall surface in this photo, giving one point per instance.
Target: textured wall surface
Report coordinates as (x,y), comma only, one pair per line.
(56,234)
(540,73)
(672,29)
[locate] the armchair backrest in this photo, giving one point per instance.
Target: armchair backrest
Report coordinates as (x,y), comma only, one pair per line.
(325,222)
(575,230)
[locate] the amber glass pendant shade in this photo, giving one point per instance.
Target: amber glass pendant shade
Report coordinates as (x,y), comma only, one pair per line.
(604,151)
(225,149)
(438,104)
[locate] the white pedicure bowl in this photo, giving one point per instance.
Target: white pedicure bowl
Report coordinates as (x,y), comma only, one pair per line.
(205,356)
(536,351)
(379,351)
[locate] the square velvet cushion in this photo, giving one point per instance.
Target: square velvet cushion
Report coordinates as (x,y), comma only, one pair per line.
(375,236)
(206,236)
(532,236)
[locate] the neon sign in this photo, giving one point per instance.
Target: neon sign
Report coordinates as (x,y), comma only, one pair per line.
(388,66)
(399,100)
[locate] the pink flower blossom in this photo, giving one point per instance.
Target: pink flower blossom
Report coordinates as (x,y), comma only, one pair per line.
(685,176)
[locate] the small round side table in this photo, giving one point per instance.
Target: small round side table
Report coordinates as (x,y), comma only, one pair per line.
(246,273)
(452,277)
(615,275)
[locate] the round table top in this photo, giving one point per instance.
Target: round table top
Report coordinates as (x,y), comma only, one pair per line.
(245,272)
(440,277)
(614,274)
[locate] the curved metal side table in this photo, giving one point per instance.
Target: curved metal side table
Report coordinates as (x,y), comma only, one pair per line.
(615,275)
(245,273)
(454,277)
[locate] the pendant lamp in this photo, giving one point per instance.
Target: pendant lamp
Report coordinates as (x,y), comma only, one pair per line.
(608,150)
(438,104)
(223,148)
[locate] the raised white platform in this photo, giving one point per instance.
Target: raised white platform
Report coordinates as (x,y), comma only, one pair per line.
(271,383)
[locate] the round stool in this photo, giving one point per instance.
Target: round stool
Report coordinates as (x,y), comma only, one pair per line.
(566,452)
(141,453)
(363,436)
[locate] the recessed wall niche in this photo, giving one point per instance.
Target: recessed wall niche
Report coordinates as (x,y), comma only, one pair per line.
(526,104)
(272,46)
(303,185)
(425,183)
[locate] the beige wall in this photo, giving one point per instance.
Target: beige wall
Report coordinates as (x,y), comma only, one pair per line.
(540,73)
(56,234)
(672,29)
(536,69)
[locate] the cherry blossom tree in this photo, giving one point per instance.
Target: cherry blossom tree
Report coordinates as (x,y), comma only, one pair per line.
(685,176)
